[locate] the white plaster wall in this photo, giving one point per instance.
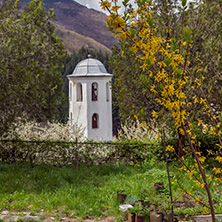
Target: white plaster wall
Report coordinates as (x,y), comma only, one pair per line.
(102,107)
(79,108)
(82,111)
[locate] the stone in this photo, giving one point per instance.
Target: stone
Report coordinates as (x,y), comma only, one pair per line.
(26,213)
(67,219)
(154,217)
(9,218)
(205,218)
(30,218)
(107,219)
(49,219)
(5,212)
(89,220)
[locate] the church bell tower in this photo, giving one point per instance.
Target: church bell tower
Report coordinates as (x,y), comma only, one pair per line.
(90,99)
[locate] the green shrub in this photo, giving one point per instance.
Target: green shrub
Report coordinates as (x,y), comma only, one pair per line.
(62,153)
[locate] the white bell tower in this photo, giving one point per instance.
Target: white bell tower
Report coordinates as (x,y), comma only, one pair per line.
(90,99)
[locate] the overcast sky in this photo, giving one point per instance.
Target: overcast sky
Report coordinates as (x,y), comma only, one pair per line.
(93,4)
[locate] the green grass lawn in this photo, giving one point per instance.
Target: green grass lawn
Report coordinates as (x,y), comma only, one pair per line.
(92,190)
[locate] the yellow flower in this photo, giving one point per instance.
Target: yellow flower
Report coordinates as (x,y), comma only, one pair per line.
(143,124)
(105,4)
(218,179)
(216,170)
(159,101)
(115,8)
(202,159)
(210,152)
(200,122)
(153,89)
(160,75)
(219,145)
(118,23)
(210,178)
(154,114)
(219,159)
(158,136)
(202,100)
(181,131)
(202,185)
(198,60)
(170,148)
(168,91)
(198,153)
(168,30)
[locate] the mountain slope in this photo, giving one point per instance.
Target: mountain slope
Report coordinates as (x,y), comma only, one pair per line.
(72,16)
(74,41)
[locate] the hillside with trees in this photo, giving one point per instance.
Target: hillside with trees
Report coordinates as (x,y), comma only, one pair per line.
(74,21)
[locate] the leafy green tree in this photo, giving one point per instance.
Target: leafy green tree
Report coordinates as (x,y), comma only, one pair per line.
(168,61)
(130,86)
(31,58)
(131,81)
(205,20)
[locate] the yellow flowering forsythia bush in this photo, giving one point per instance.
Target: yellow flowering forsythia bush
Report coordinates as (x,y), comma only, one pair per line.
(174,81)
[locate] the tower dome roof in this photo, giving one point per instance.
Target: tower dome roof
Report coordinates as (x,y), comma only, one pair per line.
(90,67)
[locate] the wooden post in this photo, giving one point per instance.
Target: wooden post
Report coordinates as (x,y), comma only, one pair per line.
(168,174)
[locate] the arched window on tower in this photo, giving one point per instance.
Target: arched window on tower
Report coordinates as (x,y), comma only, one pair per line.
(95,121)
(107,91)
(70,91)
(94,91)
(79,92)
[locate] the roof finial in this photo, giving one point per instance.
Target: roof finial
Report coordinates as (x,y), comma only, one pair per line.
(89,56)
